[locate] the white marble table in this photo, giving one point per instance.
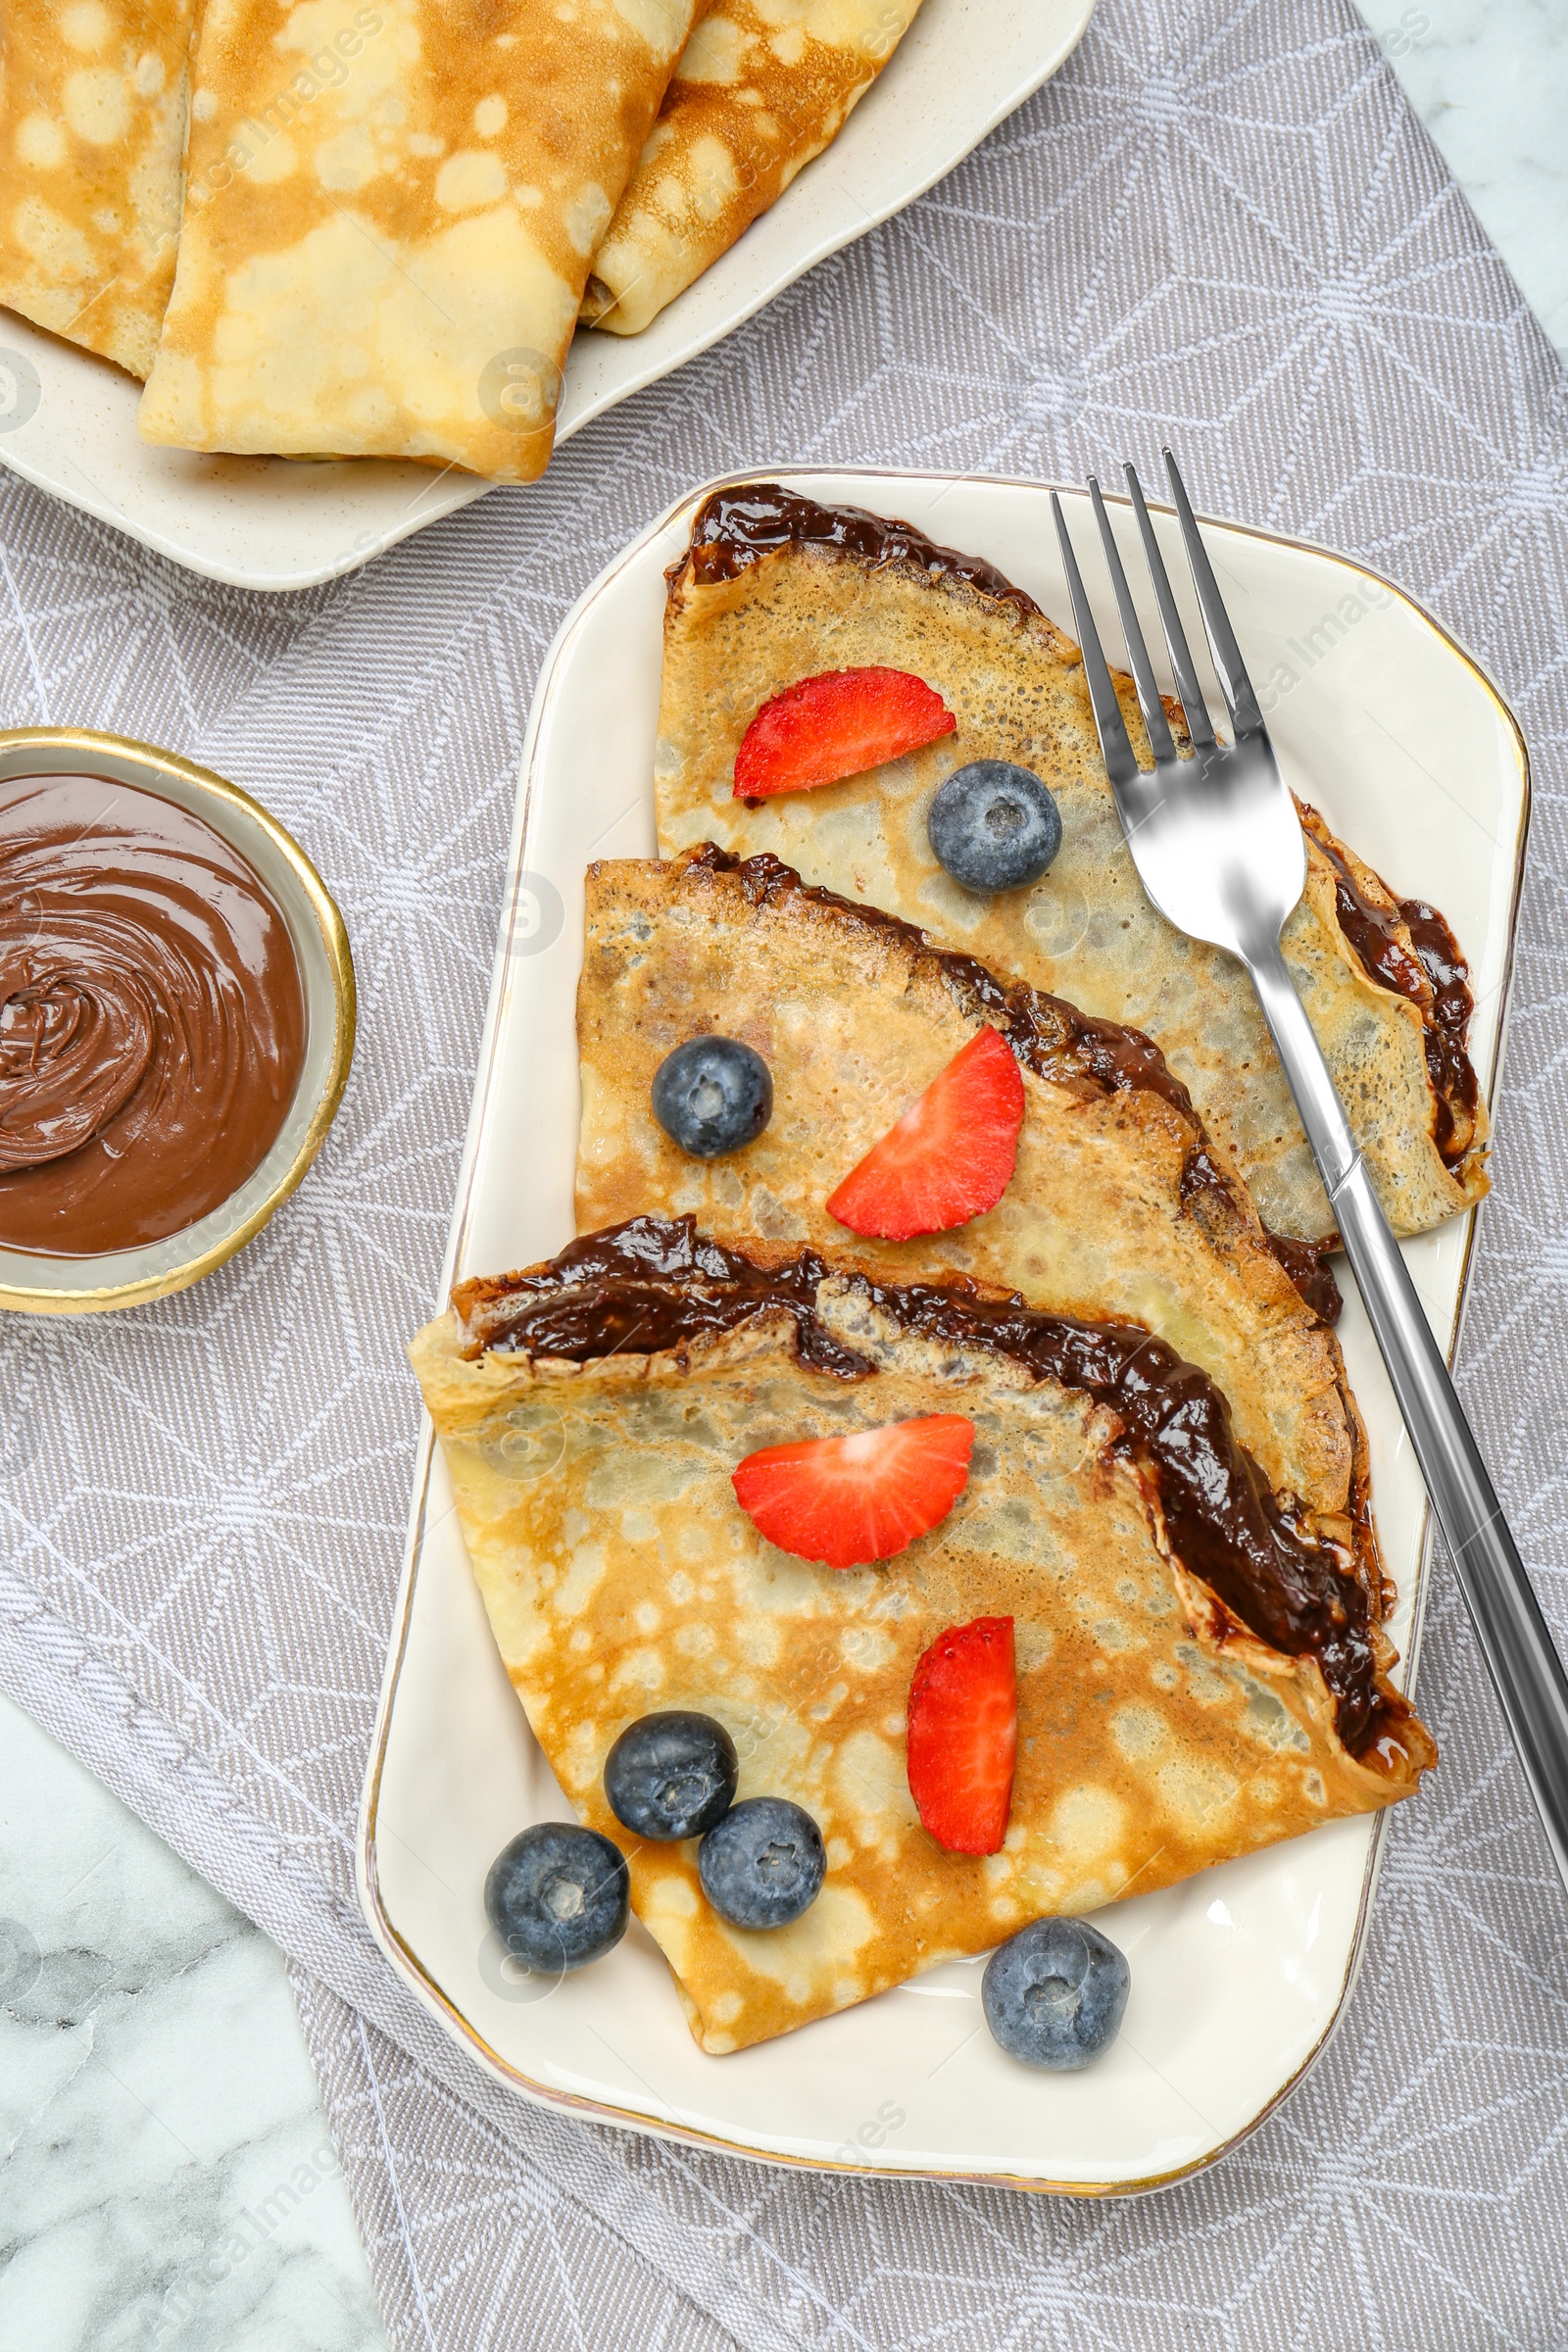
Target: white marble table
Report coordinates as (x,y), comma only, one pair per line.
(166,2181)
(1489,80)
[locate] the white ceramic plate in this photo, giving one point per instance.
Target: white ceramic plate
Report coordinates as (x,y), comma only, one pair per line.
(1240,1973)
(67,421)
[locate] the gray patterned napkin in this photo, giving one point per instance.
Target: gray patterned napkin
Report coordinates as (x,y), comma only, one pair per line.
(1221,225)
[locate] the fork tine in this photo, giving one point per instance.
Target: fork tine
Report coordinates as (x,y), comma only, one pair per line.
(1120,764)
(1240,700)
(1170,620)
(1160,741)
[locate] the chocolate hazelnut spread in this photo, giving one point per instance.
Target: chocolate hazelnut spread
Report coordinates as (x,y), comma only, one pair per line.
(648,1285)
(1303,1262)
(739,526)
(152,1022)
(1049,1036)
(1435,977)
(654,1283)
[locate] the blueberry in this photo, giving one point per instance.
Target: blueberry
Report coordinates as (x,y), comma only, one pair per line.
(558,1896)
(712,1095)
(764,1865)
(671,1774)
(994,826)
(1054,1993)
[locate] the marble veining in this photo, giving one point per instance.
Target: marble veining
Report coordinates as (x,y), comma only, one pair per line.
(166,2179)
(1489,80)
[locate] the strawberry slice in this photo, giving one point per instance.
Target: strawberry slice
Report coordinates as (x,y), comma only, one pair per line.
(948,1158)
(849,1500)
(962,1737)
(836,724)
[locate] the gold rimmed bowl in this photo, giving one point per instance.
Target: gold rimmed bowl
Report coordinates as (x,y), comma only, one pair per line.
(35,1284)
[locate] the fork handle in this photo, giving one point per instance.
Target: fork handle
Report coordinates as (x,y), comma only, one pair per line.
(1526,1671)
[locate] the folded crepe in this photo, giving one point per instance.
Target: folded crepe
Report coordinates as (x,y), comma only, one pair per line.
(592,1411)
(1120,1207)
(92,125)
(761,89)
(390,213)
(776,588)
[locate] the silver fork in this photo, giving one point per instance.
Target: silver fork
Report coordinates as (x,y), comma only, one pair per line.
(1219,849)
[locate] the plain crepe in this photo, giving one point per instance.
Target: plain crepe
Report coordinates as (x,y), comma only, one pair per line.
(92,125)
(390,213)
(591,1412)
(776,588)
(761,87)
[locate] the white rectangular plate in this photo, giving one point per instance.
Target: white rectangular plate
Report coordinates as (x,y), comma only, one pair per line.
(67,421)
(1238,1975)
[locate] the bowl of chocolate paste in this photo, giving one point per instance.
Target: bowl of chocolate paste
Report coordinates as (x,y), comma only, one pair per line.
(177,1020)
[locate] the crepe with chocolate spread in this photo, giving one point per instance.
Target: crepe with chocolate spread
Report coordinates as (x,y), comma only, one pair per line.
(1119,1208)
(759,92)
(92,125)
(776,588)
(390,212)
(1199,1673)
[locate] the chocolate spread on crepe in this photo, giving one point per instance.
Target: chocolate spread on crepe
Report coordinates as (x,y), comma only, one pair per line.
(776,587)
(93,126)
(391,207)
(1122,1208)
(152,1025)
(1176,1624)
(759,92)
(1409,947)
(654,1285)
(1051,1036)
